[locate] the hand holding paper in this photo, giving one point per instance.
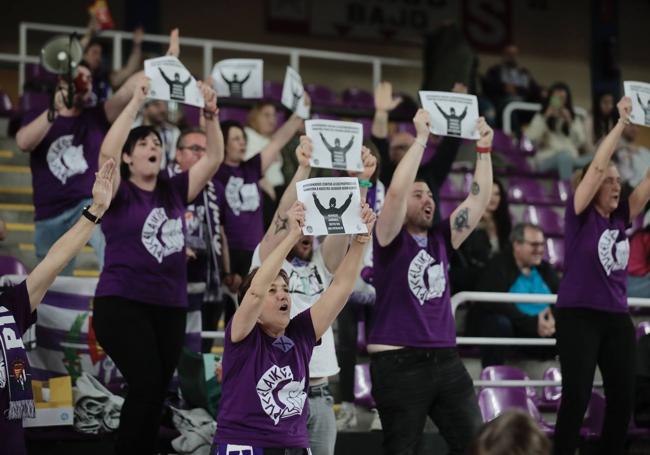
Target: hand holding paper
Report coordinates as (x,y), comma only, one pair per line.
(452,114)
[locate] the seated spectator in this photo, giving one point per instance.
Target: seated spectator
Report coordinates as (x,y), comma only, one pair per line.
(602,119)
(632,160)
(517,270)
(638,280)
(490,236)
(558,134)
(508,81)
(512,433)
(155,114)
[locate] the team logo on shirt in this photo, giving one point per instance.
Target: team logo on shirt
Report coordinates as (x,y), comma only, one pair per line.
(66,160)
(306,281)
(426,278)
(280,395)
(3,375)
(242,197)
(162,236)
(613,255)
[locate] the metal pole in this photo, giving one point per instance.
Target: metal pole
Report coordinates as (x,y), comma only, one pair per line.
(22,43)
(117,52)
(207,60)
(376,72)
(294,60)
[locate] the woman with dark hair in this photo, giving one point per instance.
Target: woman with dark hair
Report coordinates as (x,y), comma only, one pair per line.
(266,354)
(558,134)
(592,320)
(141,298)
(243,219)
(490,236)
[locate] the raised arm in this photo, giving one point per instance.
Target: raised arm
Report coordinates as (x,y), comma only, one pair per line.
(441,111)
(206,167)
(246,78)
(462,116)
(30,135)
(330,304)
(393,213)
(164,76)
(111,148)
(322,138)
(319,206)
(117,103)
(591,181)
(464,219)
(133,63)
(279,227)
(250,307)
(384,103)
(280,138)
(71,243)
(348,146)
(223,76)
(187,81)
(341,210)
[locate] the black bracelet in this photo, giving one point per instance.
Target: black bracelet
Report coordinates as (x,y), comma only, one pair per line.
(90,216)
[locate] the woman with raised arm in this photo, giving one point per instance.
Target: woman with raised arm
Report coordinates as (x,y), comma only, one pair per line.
(141,297)
(17,312)
(592,319)
(266,354)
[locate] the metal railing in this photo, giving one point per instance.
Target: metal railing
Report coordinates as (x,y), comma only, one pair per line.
(529,107)
(294,54)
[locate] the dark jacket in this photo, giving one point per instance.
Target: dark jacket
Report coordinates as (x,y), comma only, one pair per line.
(498,276)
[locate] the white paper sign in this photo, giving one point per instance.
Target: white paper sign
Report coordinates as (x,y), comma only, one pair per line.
(293,93)
(239,78)
(337,145)
(333,206)
(639,92)
(171,81)
(452,114)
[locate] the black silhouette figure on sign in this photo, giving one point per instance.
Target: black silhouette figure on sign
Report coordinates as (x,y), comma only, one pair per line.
(646,109)
(235,86)
(338,153)
(453,120)
(332,214)
(176,86)
(296,97)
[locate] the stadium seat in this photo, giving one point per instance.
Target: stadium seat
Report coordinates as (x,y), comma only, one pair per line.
(551,223)
(551,394)
(236,114)
(363,386)
(321,95)
(322,116)
(273,91)
(525,190)
(192,115)
(447,207)
(9,265)
(555,252)
(493,401)
(355,98)
(504,372)
(367,125)
(504,143)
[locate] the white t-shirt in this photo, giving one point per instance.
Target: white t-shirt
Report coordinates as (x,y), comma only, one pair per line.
(307,281)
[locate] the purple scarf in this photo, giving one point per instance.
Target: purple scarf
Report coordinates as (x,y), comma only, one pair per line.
(14,369)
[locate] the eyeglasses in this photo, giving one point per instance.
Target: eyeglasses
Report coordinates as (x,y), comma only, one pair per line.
(194,148)
(535,244)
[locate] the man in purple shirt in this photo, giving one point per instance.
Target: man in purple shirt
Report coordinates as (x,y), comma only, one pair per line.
(17,313)
(415,367)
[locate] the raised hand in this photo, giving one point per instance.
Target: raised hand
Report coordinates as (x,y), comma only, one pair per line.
(625,109)
(459,87)
(368,217)
(369,165)
(103,188)
(485,132)
(304,151)
(384,100)
(138,35)
(174,45)
(209,97)
(141,90)
(296,218)
(422,122)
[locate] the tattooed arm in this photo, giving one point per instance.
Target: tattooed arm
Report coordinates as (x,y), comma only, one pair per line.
(464,219)
(279,226)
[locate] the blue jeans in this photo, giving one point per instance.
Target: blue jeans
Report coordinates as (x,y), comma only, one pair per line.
(48,231)
(564,163)
(321,423)
(410,384)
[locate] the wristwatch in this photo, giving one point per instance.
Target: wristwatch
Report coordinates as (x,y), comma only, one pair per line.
(90,216)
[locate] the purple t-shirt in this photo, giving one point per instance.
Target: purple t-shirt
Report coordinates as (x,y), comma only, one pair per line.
(64,163)
(243,220)
(12,438)
(413,303)
(200,237)
(145,243)
(595,271)
(265,383)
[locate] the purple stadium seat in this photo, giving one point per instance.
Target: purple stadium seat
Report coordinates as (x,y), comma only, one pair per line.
(493,401)
(322,116)
(363,386)
(504,372)
(9,265)
(504,143)
(192,115)
(356,98)
(6,107)
(555,252)
(560,191)
(546,218)
(367,125)
(273,90)
(236,114)
(517,164)
(405,127)
(551,394)
(642,329)
(321,95)
(34,101)
(525,190)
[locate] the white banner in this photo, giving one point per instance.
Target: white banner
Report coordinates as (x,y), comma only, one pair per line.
(293,94)
(452,114)
(639,92)
(171,81)
(337,145)
(239,78)
(333,206)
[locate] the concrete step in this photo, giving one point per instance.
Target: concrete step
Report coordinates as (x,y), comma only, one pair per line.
(15,175)
(17,213)
(16,194)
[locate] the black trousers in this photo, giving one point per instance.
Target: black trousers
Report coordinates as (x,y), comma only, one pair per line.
(410,384)
(586,338)
(346,345)
(145,342)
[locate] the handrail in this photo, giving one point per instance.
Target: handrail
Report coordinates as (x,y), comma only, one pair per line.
(208,45)
(530,107)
